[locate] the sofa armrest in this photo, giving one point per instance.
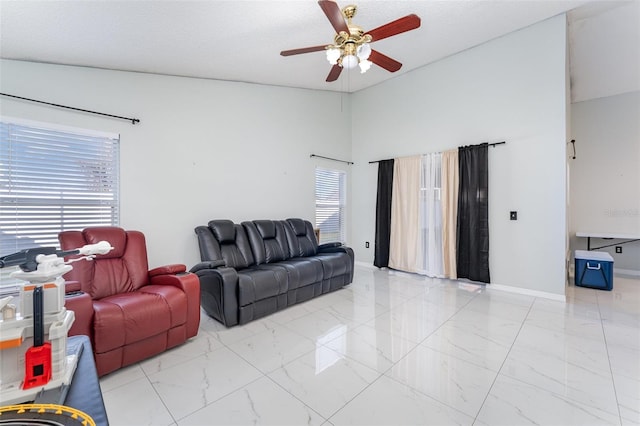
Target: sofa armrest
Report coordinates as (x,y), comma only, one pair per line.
(72,287)
(188,283)
(336,247)
(176,268)
(325,246)
(339,248)
(219,293)
(82,306)
(208,264)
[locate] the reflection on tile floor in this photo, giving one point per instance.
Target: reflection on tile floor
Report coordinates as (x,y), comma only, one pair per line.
(401,349)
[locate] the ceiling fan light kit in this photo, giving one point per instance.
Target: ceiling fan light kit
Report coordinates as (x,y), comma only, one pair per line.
(350,46)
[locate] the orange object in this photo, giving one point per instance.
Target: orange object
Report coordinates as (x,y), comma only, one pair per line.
(12,343)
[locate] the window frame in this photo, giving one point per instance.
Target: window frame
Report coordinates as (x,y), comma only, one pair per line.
(33,219)
(331,204)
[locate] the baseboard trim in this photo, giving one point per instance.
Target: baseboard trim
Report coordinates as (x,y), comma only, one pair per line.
(631,272)
(527,292)
(498,287)
(365,264)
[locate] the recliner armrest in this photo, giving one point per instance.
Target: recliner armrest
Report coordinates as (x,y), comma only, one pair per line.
(329,245)
(335,247)
(190,285)
(219,292)
(173,269)
(72,286)
(208,264)
(82,306)
(179,280)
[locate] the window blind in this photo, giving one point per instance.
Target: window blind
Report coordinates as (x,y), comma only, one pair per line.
(53,180)
(331,204)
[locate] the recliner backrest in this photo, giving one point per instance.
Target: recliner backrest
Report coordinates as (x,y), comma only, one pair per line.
(123,269)
(228,242)
(268,240)
(300,238)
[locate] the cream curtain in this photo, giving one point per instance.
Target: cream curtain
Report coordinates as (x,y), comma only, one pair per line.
(449,207)
(405,222)
(429,259)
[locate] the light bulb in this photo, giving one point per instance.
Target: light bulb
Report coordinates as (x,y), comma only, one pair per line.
(349,62)
(364,50)
(364,66)
(333,55)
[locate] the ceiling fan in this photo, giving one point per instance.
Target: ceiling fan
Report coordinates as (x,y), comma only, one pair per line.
(351,44)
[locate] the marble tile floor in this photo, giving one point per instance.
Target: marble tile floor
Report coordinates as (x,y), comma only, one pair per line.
(401,349)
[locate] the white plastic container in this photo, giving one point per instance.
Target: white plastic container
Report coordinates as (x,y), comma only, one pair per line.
(53,298)
(16,337)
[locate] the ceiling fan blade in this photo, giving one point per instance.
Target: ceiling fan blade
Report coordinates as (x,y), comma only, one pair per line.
(408,23)
(334,73)
(333,12)
(384,61)
(302,50)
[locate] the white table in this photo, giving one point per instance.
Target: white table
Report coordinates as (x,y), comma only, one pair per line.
(627,238)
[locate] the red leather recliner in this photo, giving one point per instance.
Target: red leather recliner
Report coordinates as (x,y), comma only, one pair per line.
(129,312)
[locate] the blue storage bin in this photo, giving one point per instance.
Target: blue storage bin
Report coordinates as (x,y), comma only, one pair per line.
(594,269)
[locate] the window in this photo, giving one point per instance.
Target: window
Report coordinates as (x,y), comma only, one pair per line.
(331,204)
(429,260)
(53,180)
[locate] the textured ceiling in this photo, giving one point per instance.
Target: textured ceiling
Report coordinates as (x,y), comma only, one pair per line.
(241,40)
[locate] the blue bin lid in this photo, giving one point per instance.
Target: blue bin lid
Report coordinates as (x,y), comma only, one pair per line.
(593,255)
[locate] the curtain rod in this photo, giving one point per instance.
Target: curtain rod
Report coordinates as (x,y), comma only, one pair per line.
(490,144)
(132,120)
(329,158)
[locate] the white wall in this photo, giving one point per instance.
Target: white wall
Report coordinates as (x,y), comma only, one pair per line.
(605,49)
(203,150)
(210,149)
(513,89)
(605,176)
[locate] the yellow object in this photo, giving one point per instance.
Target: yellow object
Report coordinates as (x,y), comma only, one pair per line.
(49,408)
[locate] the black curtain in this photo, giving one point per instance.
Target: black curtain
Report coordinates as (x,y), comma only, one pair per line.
(472,239)
(383,213)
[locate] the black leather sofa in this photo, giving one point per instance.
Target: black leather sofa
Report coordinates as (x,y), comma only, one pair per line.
(262,266)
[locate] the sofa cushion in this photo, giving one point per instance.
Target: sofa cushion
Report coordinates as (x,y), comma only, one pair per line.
(209,246)
(136,316)
(298,226)
(122,270)
(300,238)
(176,300)
(111,277)
(267,228)
(232,242)
(268,240)
(308,270)
(334,264)
(223,230)
(256,284)
(117,237)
